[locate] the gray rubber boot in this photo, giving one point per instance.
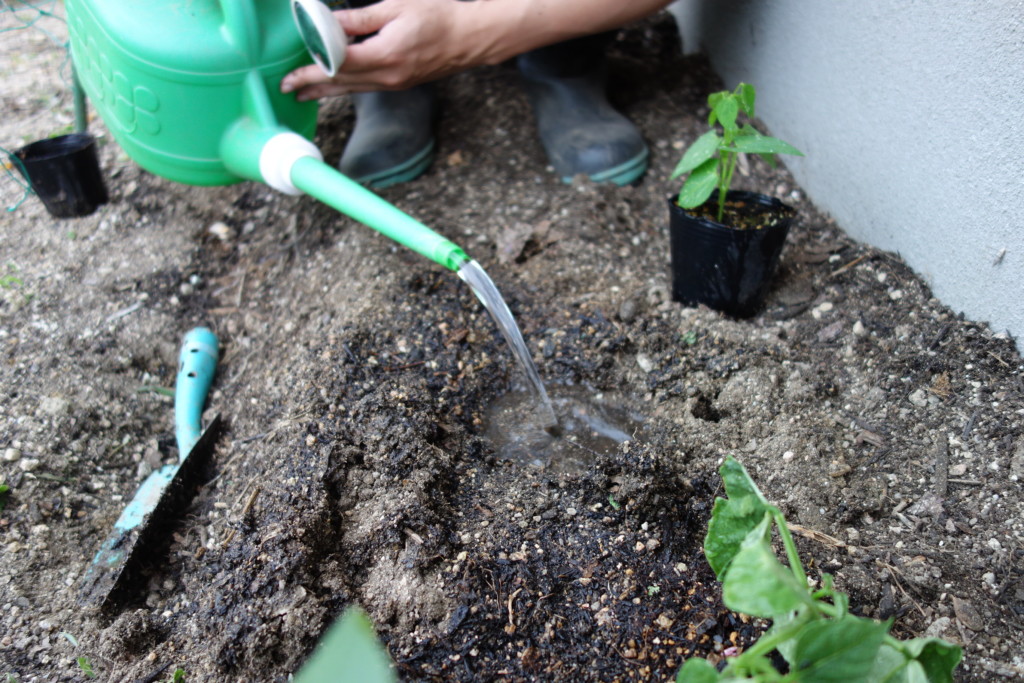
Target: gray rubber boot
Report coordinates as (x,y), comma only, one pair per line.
(579,129)
(393,139)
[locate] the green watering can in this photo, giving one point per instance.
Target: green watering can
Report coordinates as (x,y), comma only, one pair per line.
(189,89)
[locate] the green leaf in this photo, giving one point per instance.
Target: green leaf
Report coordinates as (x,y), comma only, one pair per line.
(756,583)
(738,483)
(697,671)
(763,144)
(747,95)
(348,653)
(702,149)
(699,185)
(787,647)
(839,650)
(5,491)
(713,100)
(86,666)
(937,657)
(733,519)
(891,666)
(726,111)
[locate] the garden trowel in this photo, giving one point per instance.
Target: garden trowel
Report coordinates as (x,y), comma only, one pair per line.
(143,526)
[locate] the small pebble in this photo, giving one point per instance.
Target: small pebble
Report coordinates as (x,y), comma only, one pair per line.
(12,455)
(919,398)
(645,362)
(221,231)
(29,465)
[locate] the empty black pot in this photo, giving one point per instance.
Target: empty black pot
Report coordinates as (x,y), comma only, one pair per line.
(722,267)
(65,173)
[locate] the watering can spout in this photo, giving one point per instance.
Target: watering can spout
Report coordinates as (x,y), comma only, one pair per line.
(317,179)
(292,164)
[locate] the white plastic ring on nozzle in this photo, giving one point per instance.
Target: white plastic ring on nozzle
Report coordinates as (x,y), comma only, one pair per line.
(278,156)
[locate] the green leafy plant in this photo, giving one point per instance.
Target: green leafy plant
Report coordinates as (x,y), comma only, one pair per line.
(178,676)
(11,281)
(711,160)
(813,630)
(348,653)
(5,491)
(86,666)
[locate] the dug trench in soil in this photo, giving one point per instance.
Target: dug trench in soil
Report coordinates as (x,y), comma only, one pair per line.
(356,377)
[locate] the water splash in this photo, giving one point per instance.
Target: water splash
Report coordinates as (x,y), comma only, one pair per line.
(591,424)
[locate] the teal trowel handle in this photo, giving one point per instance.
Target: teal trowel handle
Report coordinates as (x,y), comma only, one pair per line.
(196,365)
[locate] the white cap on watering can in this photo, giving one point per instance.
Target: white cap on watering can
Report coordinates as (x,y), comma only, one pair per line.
(321,33)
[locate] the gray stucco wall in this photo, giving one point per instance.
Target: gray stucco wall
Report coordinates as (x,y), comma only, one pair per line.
(911,115)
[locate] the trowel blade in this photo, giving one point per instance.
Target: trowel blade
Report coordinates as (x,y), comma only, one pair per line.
(143,527)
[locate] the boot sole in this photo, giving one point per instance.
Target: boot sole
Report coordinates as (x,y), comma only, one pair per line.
(620,175)
(408,170)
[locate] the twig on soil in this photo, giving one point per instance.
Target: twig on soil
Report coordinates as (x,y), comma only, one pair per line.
(241,289)
(970,425)
(511,599)
(136,306)
(893,571)
(249,503)
(851,264)
(817,536)
(942,469)
(943,331)
(393,368)
(1000,360)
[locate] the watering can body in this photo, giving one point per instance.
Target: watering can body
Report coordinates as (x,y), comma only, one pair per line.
(189,89)
(169,78)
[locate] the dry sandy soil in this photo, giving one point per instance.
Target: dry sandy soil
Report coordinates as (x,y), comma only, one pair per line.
(359,463)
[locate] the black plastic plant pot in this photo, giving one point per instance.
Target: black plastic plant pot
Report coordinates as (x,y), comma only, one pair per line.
(65,173)
(727,268)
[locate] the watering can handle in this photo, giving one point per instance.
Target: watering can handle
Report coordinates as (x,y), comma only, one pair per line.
(242,25)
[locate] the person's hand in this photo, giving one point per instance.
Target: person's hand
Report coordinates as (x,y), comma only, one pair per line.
(416,41)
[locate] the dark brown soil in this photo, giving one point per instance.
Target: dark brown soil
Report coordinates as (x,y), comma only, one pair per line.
(356,377)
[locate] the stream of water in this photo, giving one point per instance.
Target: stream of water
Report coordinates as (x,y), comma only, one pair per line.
(482,285)
(525,427)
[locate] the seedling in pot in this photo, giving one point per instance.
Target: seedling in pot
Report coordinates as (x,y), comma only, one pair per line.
(813,630)
(711,160)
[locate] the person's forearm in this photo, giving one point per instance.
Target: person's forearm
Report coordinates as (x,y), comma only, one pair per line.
(506,28)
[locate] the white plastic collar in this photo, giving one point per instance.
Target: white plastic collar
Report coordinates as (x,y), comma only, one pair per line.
(279,155)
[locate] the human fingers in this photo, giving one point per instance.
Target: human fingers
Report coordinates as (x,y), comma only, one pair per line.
(367,20)
(302,78)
